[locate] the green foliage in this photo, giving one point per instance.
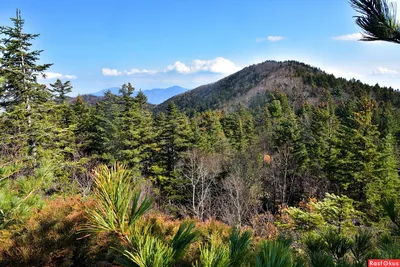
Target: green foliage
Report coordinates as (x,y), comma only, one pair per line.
(19,197)
(274,254)
(117,211)
(239,246)
(304,220)
(118,206)
(18,66)
(337,244)
(182,239)
(337,211)
(333,211)
(213,256)
(322,136)
(60,90)
(378,20)
(150,251)
(362,247)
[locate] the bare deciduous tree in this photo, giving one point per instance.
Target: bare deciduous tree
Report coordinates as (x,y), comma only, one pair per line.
(240,201)
(200,170)
(282,177)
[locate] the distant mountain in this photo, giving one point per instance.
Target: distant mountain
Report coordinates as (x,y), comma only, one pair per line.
(252,85)
(154,96)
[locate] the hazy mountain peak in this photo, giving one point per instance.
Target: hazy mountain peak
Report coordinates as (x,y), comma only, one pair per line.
(154,96)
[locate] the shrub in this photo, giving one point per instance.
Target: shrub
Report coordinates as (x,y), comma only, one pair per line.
(50,238)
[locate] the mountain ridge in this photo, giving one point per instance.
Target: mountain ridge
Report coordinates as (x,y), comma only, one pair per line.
(251,85)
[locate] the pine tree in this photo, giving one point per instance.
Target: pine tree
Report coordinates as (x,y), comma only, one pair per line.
(385,184)
(213,138)
(174,137)
(359,152)
(141,99)
(135,128)
(60,90)
(18,66)
(81,118)
(103,140)
(322,144)
(378,20)
(21,91)
(239,128)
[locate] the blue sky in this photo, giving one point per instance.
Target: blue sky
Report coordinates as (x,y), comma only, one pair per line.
(157,44)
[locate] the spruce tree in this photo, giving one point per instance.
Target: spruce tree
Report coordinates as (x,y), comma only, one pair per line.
(322,144)
(21,91)
(18,66)
(135,127)
(359,155)
(60,90)
(213,138)
(174,137)
(103,139)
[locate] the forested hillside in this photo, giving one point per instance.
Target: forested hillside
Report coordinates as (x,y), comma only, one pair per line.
(300,82)
(279,164)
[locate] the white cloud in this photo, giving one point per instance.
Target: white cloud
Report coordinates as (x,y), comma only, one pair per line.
(137,71)
(217,65)
(114,72)
(110,72)
(348,37)
(342,73)
(383,71)
(274,38)
(55,75)
(269,38)
(178,67)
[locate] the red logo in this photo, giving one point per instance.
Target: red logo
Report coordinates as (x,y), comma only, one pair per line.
(383,262)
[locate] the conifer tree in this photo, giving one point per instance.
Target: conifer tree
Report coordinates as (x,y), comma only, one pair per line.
(21,91)
(213,138)
(174,137)
(60,90)
(322,144)
(359,152)
(135,128)
(81,118)
(103,138)
(141,99)
(18,66)
(378,20)
(239,128)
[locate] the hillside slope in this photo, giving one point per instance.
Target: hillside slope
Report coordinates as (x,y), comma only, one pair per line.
(251,85)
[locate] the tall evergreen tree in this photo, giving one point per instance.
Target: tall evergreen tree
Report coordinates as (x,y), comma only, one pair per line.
(174,137)
(60,90)
(18,66)
(359,152)
(104,141)
(135,128)
(21,91)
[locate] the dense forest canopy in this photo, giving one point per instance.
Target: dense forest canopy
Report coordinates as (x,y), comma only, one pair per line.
(279,164)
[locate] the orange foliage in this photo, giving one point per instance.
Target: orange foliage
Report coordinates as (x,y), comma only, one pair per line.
(264,226)
(51,238)
(267,159)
